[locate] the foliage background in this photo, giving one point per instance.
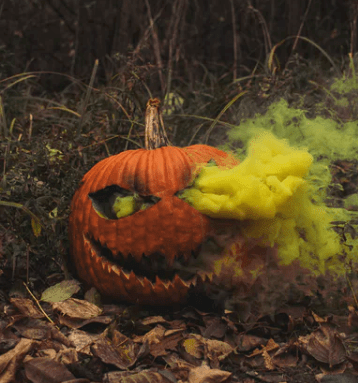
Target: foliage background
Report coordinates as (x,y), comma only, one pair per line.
(191,39)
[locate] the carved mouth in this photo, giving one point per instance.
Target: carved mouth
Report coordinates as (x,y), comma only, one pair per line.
(154,266)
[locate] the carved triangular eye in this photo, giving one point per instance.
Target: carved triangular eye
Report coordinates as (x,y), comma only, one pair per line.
(181,193)
(114,202)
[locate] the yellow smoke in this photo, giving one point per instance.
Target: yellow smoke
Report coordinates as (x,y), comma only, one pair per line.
(269,192)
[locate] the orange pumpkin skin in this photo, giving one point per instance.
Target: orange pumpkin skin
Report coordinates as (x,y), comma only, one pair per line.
(171,227)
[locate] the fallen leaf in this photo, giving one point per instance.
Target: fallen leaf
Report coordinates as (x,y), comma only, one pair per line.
(204,374)
(82,340)
(122,358)
(136,377)
(325,345)
(61,291)
(9,362)
(248,342)
(153,320)
(27,307)
(194,347)
(77,308)
(159,339)
(46,370)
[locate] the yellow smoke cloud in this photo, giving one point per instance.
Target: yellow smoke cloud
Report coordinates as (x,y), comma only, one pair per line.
(269,192)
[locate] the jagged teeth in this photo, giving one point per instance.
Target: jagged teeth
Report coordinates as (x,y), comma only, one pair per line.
(131,277)
(194,280)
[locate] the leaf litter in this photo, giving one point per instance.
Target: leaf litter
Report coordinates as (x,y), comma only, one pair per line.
(86,343)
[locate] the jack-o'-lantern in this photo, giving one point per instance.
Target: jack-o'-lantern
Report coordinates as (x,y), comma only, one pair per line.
(131,235)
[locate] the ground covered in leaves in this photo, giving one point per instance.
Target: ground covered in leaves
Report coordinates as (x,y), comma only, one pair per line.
(53,331)
(76,341)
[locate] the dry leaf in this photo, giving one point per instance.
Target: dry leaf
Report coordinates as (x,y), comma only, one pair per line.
(121,358)
(217,349)
(9,362)
(160,339)
(204,374)
(36,226)
(82,340)
(194,347)
(27,307)
(141,377)
(153,320)
(77,308)
(46,370)
(325,345)
(248,342)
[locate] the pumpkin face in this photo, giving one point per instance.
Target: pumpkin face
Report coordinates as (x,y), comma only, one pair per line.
(131,236)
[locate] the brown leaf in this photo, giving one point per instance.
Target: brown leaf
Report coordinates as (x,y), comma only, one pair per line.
(215,327)
(352,317)
(46,370)
(77,308)
(140,377)
(26,307)
(160,339)
(82,340)
(285,357)
(204,374)
(10,361)
(153,320)
(58,336)
(67,356)
(122,358)
(218,349)
(262,358)
(32,329)
(248,342)
(270,346)
(353,358)
(193,347)
(325,345)
(268,360)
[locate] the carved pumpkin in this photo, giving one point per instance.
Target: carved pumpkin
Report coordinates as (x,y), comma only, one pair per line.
(131,236)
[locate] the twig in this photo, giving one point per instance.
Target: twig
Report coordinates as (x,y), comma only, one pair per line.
(75,48)
(24,208)
(38,304)
(156,47)
(301,26)
(3,119)
(233,19)
(61,16)
(268,43)
(226,107)
(27,263)
(354,11)
(177,12)
(88,93)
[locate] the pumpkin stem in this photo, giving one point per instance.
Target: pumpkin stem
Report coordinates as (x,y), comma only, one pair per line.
(155,135)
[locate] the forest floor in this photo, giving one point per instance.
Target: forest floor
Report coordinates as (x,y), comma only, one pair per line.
(70,337)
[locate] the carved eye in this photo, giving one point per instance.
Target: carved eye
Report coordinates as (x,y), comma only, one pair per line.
(114,202)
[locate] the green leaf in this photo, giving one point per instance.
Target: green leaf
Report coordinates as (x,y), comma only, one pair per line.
(61,291)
